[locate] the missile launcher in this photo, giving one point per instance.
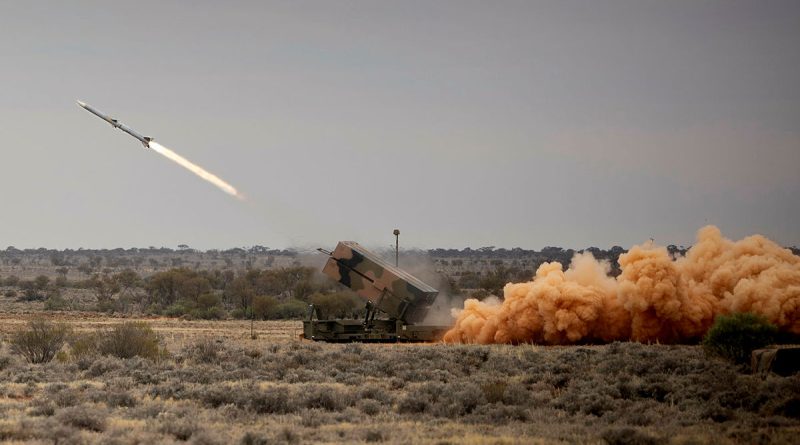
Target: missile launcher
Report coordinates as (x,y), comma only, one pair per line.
(401,298)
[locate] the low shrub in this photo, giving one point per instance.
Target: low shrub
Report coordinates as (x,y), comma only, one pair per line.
(5,361)
(216,396)
(41,407)
(325,397)
(181,428)
(206,307)
(117,398)
(14,432)
(84,344)
(103,365)
(56,303)
(131,339)
(205,351)
(205,437)
(65,397)
(176,310)
(292,309)
(734,337)
(251,438)
(40,342)
(375,391)
(494,391)
(263,306)
(614,436)
(414,404)
(85,417)
(499,414)
(374,436)
(458,400)
(270,400)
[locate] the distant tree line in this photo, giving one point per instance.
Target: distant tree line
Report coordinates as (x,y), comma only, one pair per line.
(280,293)
(273,292)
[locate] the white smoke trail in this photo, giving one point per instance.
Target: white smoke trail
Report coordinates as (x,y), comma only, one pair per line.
(196,169)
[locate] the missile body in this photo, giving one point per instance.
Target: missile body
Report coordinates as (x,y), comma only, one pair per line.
(116,124)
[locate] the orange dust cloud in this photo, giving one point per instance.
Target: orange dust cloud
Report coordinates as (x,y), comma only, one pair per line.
(655,298)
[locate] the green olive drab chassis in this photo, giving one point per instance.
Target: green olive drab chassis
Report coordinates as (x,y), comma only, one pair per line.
(404,299)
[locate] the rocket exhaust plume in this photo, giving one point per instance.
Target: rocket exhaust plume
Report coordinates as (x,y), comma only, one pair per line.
(148,142)
(196,169)
(655,298)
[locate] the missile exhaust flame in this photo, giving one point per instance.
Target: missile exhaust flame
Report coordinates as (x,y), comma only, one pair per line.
(196,169)
(166,152)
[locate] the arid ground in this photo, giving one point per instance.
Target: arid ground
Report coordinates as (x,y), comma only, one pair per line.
(218,384)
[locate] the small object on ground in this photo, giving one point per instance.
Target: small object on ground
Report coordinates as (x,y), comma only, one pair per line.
(781,360)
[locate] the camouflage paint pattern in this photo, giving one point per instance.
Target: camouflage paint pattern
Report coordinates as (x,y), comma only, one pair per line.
(392,290)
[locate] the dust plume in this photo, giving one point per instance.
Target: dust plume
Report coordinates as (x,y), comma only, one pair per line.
(655,298)
(196,169)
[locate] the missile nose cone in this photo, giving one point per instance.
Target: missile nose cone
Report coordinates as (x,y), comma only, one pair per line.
(82,104)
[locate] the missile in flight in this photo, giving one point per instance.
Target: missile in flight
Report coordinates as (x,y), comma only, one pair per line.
(116,124)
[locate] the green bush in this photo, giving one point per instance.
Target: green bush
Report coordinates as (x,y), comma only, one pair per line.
(240,313)
(291,309)
(207,306)
(212,313)
(40,342)
(263,306)
(735,336)
(176,310)
(56,303)
(131,339)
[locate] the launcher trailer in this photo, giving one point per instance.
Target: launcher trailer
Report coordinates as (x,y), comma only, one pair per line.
(404,300)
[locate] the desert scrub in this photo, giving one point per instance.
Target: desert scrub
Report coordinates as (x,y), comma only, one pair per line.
(619,436)
(64,396)
(251,438)
(327,397)
(85,417)
(5,361)
(84,345)
(458,399)
(41,407)
(125,341)
(205,351)
(625,392)
(179,427)
(103,365)
(40,342)
(114,398)
(270,400)
(735,336)
(131,339)
(370,407)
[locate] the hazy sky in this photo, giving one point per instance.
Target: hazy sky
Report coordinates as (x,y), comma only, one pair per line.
(535,123)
